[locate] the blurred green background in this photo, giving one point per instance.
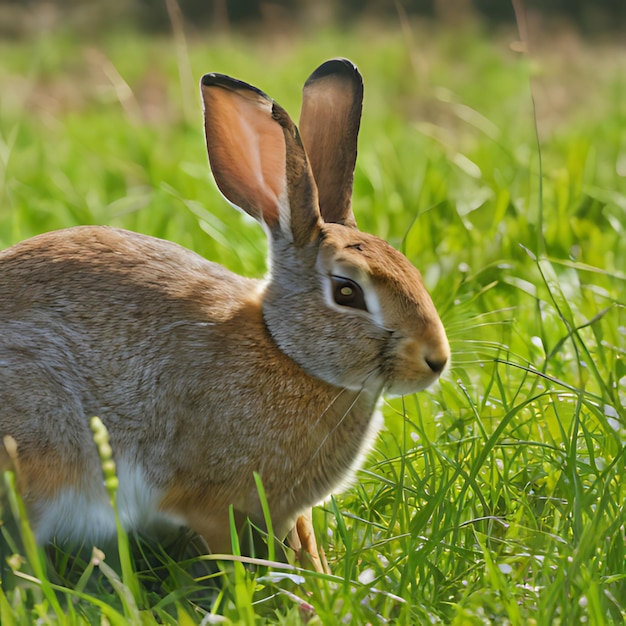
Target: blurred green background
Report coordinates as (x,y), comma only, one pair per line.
(16,16)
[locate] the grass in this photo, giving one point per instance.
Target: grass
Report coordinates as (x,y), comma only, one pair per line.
(496,497)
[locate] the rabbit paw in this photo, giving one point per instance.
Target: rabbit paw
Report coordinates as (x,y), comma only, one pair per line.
(302,541)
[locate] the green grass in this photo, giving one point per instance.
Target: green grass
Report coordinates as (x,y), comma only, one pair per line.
(496,497)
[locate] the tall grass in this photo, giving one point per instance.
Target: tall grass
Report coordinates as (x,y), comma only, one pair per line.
(497,497)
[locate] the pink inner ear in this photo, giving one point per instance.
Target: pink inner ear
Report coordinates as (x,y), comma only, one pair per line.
(246,150)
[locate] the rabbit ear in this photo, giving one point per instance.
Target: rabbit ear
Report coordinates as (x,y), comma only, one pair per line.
(332,100)
(257,157)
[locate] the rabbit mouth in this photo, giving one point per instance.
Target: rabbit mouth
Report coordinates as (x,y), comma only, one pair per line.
(399,388)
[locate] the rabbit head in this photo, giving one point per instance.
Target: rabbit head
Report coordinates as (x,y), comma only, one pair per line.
(346,306)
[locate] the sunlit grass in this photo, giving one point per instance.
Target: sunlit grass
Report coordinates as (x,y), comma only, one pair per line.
(496,497)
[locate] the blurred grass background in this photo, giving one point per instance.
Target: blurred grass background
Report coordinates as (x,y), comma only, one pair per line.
(497,163)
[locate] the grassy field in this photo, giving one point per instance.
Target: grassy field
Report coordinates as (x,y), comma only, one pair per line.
(498,496)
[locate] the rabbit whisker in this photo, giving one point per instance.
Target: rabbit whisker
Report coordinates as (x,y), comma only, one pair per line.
(328,406)
(334,428)
(358,394)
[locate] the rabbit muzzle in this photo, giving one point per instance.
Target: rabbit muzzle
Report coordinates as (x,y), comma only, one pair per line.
(415,361)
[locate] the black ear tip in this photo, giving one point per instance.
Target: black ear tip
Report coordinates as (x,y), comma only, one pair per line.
(227,82)
(213,78)
(339,67)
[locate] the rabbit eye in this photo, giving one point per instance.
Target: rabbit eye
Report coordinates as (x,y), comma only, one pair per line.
(348,293)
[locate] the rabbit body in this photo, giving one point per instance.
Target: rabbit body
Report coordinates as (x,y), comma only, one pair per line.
(194,391)
(201,376)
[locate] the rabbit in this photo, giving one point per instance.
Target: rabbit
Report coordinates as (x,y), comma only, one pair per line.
(201,376)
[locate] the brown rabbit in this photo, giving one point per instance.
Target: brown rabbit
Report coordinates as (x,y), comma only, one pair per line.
(201,376)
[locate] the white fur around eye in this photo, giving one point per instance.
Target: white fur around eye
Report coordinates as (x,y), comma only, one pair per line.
(374,309)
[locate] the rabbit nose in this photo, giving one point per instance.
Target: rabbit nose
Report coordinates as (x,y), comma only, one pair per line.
(435,349)
(437,354)
(436,364)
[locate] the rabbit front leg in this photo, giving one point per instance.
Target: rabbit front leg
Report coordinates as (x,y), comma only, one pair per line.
(302,541)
